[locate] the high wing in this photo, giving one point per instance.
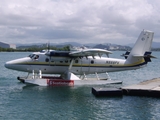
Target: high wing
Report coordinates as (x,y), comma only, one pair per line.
(78,53)
(90,52)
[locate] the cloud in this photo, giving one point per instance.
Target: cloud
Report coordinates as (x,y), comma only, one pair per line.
(85,21)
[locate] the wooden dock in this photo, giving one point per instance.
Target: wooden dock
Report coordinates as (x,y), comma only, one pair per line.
(149,88)
(110,92)
(146,88)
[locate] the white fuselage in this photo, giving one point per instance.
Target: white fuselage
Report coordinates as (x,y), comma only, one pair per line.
(59,65)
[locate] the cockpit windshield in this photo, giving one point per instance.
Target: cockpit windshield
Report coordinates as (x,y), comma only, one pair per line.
(31,55)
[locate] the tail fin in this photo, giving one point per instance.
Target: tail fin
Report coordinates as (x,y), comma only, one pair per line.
(141,47)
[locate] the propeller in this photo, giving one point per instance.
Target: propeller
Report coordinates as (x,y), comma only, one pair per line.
(48,46)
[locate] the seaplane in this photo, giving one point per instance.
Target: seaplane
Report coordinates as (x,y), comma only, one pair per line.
(69,68)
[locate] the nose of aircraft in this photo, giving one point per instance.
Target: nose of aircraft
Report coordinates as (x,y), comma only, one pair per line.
(16,64)
(7,64)
(12,64)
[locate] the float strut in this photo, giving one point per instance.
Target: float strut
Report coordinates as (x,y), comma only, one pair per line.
(40,74)
(108,77)
(97,75)
(33,75)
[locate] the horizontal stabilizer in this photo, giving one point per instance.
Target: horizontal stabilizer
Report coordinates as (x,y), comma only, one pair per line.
(146,56)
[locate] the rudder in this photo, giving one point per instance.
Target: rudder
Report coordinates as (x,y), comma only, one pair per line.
(142,45)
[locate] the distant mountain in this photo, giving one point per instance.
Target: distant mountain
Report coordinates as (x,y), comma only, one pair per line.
(101,46)
(89,45)
(154,44)
(4,45)
(69,43)
(76,44)
(30,44)
(52,44)
(130,45)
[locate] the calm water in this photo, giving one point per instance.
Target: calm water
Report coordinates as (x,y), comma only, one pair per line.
(21,102)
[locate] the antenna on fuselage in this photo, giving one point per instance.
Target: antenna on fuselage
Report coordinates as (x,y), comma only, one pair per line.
(48,46)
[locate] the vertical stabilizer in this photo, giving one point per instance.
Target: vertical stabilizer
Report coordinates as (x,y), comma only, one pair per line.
(142,45)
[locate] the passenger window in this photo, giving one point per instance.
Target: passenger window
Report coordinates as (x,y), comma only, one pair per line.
(92,62)
(47,60)
(66,61)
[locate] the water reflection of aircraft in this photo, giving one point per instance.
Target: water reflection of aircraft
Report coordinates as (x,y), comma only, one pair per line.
(70,64)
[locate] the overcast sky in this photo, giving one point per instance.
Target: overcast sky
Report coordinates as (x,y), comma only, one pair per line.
(83,21)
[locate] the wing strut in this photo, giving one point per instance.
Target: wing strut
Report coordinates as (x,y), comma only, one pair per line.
(97,75)
(71,64)
(84,77)
(108,77)
(68,75)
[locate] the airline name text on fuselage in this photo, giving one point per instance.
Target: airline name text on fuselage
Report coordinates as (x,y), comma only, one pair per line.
(112,62)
